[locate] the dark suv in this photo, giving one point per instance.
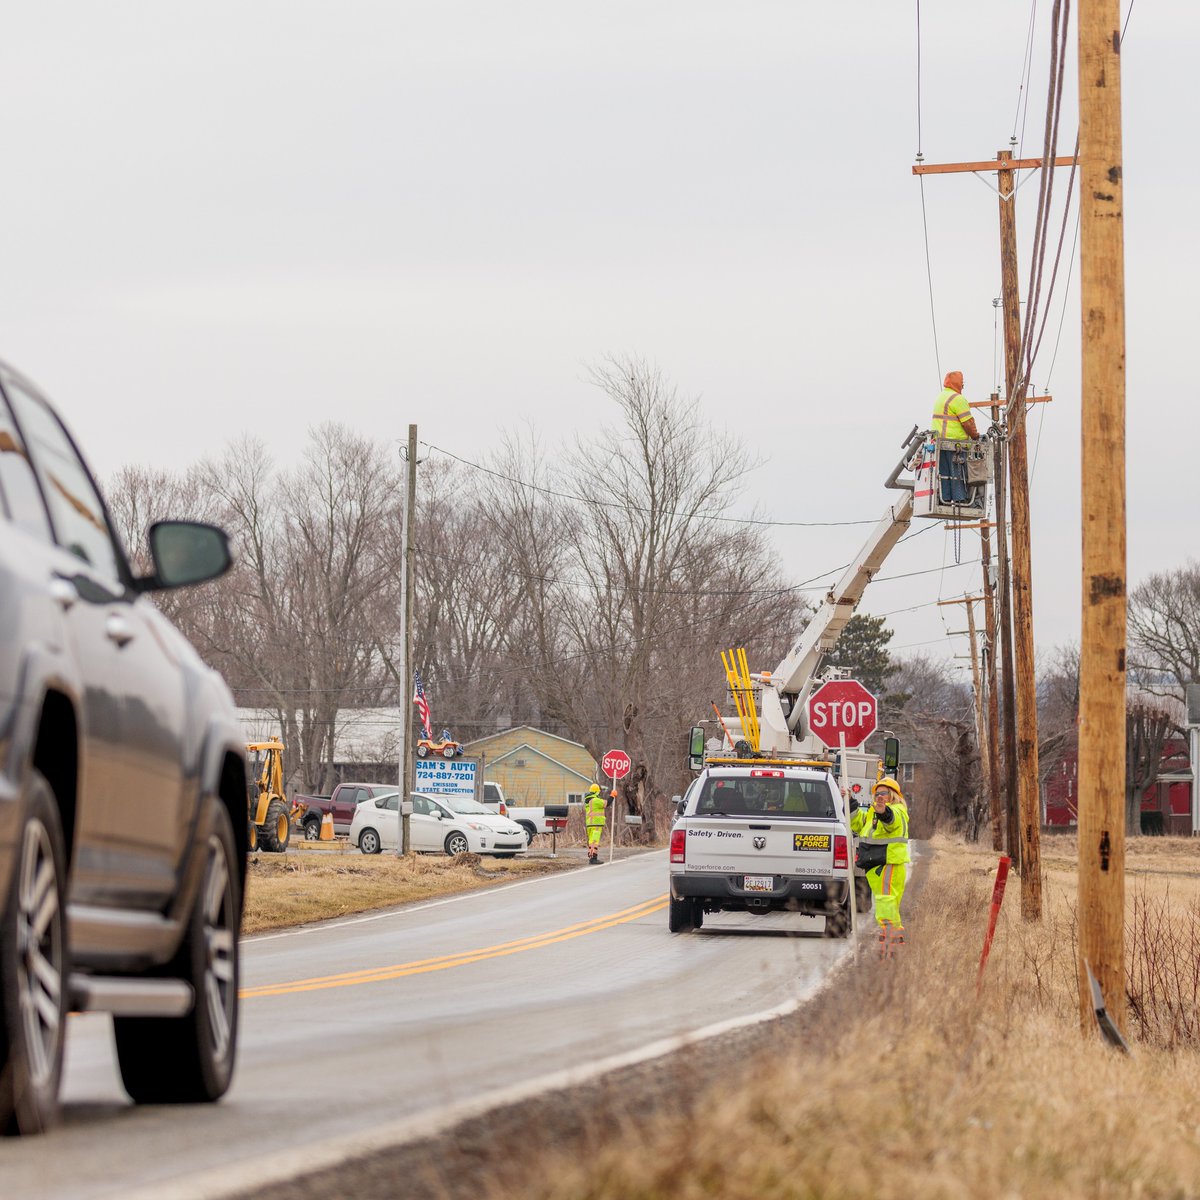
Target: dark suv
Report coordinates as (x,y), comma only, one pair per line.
(122,790)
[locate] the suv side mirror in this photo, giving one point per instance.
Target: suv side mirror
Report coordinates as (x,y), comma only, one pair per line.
(184,553)
(696,749)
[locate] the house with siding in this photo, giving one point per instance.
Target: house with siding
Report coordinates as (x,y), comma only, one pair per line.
(535,767)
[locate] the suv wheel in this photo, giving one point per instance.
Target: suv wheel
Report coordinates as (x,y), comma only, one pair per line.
(33,970)
(188,1059)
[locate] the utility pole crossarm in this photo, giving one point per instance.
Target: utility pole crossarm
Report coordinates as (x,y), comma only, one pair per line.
(1012,164)
(1028,400)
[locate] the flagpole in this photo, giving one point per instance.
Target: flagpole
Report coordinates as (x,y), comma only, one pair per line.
(406,633)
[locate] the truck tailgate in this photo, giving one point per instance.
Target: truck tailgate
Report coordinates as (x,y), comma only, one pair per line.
(766,846)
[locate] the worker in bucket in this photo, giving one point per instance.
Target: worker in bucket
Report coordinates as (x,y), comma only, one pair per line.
(594,805)
(882,831)
(953,422)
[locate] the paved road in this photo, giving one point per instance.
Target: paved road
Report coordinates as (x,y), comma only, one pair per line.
(356,1024)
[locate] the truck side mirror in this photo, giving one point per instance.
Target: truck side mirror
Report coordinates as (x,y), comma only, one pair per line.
(891,756)
(696,749)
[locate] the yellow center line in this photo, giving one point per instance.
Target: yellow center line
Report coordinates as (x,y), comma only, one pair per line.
(463,958)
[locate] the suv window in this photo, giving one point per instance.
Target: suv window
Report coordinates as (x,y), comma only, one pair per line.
(75,506)
(19,491)
(742,796)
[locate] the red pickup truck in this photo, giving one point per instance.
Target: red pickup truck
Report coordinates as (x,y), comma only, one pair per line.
(345,798)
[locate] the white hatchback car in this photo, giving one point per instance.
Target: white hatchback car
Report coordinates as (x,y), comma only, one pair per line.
(438,823)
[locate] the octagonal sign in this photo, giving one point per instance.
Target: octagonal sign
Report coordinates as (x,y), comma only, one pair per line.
(842,706)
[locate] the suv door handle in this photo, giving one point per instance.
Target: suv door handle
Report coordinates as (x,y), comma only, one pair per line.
(63,592)
(118,629)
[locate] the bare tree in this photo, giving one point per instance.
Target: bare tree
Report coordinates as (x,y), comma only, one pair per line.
(1164,630)
(928,707)
(635,577)
(1146,728)
(1058,709)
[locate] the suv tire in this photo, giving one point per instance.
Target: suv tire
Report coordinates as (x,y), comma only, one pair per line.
(189,1059)
(33,969)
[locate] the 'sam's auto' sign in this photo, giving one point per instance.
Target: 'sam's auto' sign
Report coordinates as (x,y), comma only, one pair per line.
(446,777)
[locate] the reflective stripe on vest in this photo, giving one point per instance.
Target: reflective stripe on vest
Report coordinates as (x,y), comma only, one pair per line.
(594,811)
(951,424)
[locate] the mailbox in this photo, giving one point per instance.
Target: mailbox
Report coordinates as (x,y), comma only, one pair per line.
(555,810)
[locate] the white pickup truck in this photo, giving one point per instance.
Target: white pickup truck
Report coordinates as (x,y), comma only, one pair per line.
(760,839)
(532,820)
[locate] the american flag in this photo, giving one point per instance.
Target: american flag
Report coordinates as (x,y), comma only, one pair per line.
(422,707)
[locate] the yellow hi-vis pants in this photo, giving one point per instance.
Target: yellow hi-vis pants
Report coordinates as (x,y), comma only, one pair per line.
(887,886)
(595,833)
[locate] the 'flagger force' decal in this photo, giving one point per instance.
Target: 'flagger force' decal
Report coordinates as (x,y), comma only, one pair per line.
(810,841)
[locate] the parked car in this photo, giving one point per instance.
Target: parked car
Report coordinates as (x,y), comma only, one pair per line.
(532,819)
(438,823)
(123,828)
(345,799)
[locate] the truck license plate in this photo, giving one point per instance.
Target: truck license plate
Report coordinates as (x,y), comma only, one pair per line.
(759,883)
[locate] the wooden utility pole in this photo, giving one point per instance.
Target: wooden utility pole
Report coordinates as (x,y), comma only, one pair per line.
(995,805)
(408,586)
(982,740)
(981,735)
(1102,424)
(1025,723)
(1011,823)
(1028,800)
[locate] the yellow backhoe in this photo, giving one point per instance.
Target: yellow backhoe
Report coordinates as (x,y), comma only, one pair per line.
(270,816)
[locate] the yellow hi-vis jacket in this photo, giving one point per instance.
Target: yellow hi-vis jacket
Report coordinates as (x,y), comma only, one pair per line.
(593,812)
(868,826)
(949,411)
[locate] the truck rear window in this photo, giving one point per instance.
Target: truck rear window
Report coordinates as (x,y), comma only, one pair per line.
(745,797)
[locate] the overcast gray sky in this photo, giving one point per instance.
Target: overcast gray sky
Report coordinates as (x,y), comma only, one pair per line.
(257,215)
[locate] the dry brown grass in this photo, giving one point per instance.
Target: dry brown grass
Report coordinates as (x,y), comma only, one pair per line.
(291,889)
(901,1083)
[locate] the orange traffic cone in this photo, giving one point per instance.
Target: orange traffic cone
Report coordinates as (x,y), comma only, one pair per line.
(327,827)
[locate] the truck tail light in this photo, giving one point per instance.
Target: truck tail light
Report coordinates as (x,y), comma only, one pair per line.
(503,809)
(679,845)
(760,774)
(840,851)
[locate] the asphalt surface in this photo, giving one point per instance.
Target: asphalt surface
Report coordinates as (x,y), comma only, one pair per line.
(354,1029)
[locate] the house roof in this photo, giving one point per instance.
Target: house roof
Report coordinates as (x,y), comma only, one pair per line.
(541,754)
(491,737)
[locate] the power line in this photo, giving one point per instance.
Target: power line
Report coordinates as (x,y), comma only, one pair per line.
(937,356)
(526,666)
(1026,71)
(546,491)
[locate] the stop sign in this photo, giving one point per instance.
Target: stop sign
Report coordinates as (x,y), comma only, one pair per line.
(616,764)
(842,706)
